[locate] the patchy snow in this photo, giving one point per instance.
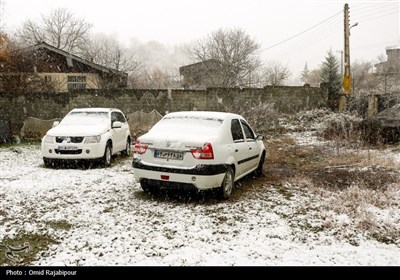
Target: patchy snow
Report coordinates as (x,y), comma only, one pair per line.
(308,138)
(115,223)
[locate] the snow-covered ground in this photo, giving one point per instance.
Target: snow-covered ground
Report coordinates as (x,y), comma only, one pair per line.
(114,223)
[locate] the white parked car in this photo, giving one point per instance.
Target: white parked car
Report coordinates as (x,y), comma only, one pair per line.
(87,133)
(197,149)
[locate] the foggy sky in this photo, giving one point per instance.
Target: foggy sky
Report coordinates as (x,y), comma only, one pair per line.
(177,22)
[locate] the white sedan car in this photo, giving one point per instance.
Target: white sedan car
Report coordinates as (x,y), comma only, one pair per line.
(197,149)
(87,133)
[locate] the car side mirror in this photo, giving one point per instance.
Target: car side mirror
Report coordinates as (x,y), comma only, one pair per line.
(56,123)
(260,137)
(117,124)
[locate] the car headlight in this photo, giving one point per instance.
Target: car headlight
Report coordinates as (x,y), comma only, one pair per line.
(92,139)
(49,139)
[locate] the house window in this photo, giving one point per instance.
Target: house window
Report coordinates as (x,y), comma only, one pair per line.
(47,79)
(76,83)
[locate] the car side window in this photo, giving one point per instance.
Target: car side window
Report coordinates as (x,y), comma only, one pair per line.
(113,117)
(236,130)
(120,117)
(247,131)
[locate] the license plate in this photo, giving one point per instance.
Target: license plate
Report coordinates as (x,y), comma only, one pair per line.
(168,155)
(67,148)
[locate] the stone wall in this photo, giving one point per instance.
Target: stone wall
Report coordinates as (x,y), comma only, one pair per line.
(14,109)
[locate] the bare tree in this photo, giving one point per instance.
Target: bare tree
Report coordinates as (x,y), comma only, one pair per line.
(363,79)
(107,51)
(314,77)
(60,28)
(275,73)
(233,50)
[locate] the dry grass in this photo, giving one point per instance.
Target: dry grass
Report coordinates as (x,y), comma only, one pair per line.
(354,189)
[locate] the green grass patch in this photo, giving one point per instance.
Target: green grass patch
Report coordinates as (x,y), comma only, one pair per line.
(59,225)
(23,143)
(37,243)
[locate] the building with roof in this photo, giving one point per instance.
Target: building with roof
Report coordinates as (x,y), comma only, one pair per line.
(63,71)
(392,64)
(200,75)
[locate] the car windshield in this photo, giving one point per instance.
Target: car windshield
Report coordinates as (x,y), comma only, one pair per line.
(188,124)
(85,118)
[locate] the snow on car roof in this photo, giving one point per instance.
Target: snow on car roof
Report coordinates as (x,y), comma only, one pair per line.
(93,109)
(203,114)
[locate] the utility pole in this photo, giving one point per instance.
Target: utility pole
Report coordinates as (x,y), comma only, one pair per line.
(346,78)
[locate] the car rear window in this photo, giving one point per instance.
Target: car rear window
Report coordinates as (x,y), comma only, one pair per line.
(188,124)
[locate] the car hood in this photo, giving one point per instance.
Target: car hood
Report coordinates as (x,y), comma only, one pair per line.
(78,130)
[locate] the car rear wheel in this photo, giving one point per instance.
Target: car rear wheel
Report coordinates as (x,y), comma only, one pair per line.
(227,183)
(107,155)
(147,188)
(259,171)
(127,150)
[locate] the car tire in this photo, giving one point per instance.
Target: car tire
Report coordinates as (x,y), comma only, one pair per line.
(107,155)
(227,184)
(48,162)
(259,171)
(147,188)
(128,149)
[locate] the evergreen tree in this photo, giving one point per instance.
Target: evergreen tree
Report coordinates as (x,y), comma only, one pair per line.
(330,74)
(304,75)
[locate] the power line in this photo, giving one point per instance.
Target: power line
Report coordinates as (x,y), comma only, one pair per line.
(371,9)
(318,35)
(294,36)
(379,16)
(376,45)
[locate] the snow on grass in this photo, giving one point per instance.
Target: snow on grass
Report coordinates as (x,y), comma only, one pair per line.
(102,217)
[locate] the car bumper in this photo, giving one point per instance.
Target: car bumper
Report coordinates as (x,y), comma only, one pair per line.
(201,177)
(80,151)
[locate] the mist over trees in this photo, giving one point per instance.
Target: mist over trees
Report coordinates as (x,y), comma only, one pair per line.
(108,51)
(275,73)
(305,74)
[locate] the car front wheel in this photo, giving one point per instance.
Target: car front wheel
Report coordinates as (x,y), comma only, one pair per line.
(107,156)
(227,183)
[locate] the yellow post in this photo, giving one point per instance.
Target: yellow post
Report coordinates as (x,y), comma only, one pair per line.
(347,78)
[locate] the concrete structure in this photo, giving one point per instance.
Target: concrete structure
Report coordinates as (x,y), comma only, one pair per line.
(16,108)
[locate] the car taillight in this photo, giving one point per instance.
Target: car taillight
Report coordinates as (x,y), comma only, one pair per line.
(139,148)
(206,152)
